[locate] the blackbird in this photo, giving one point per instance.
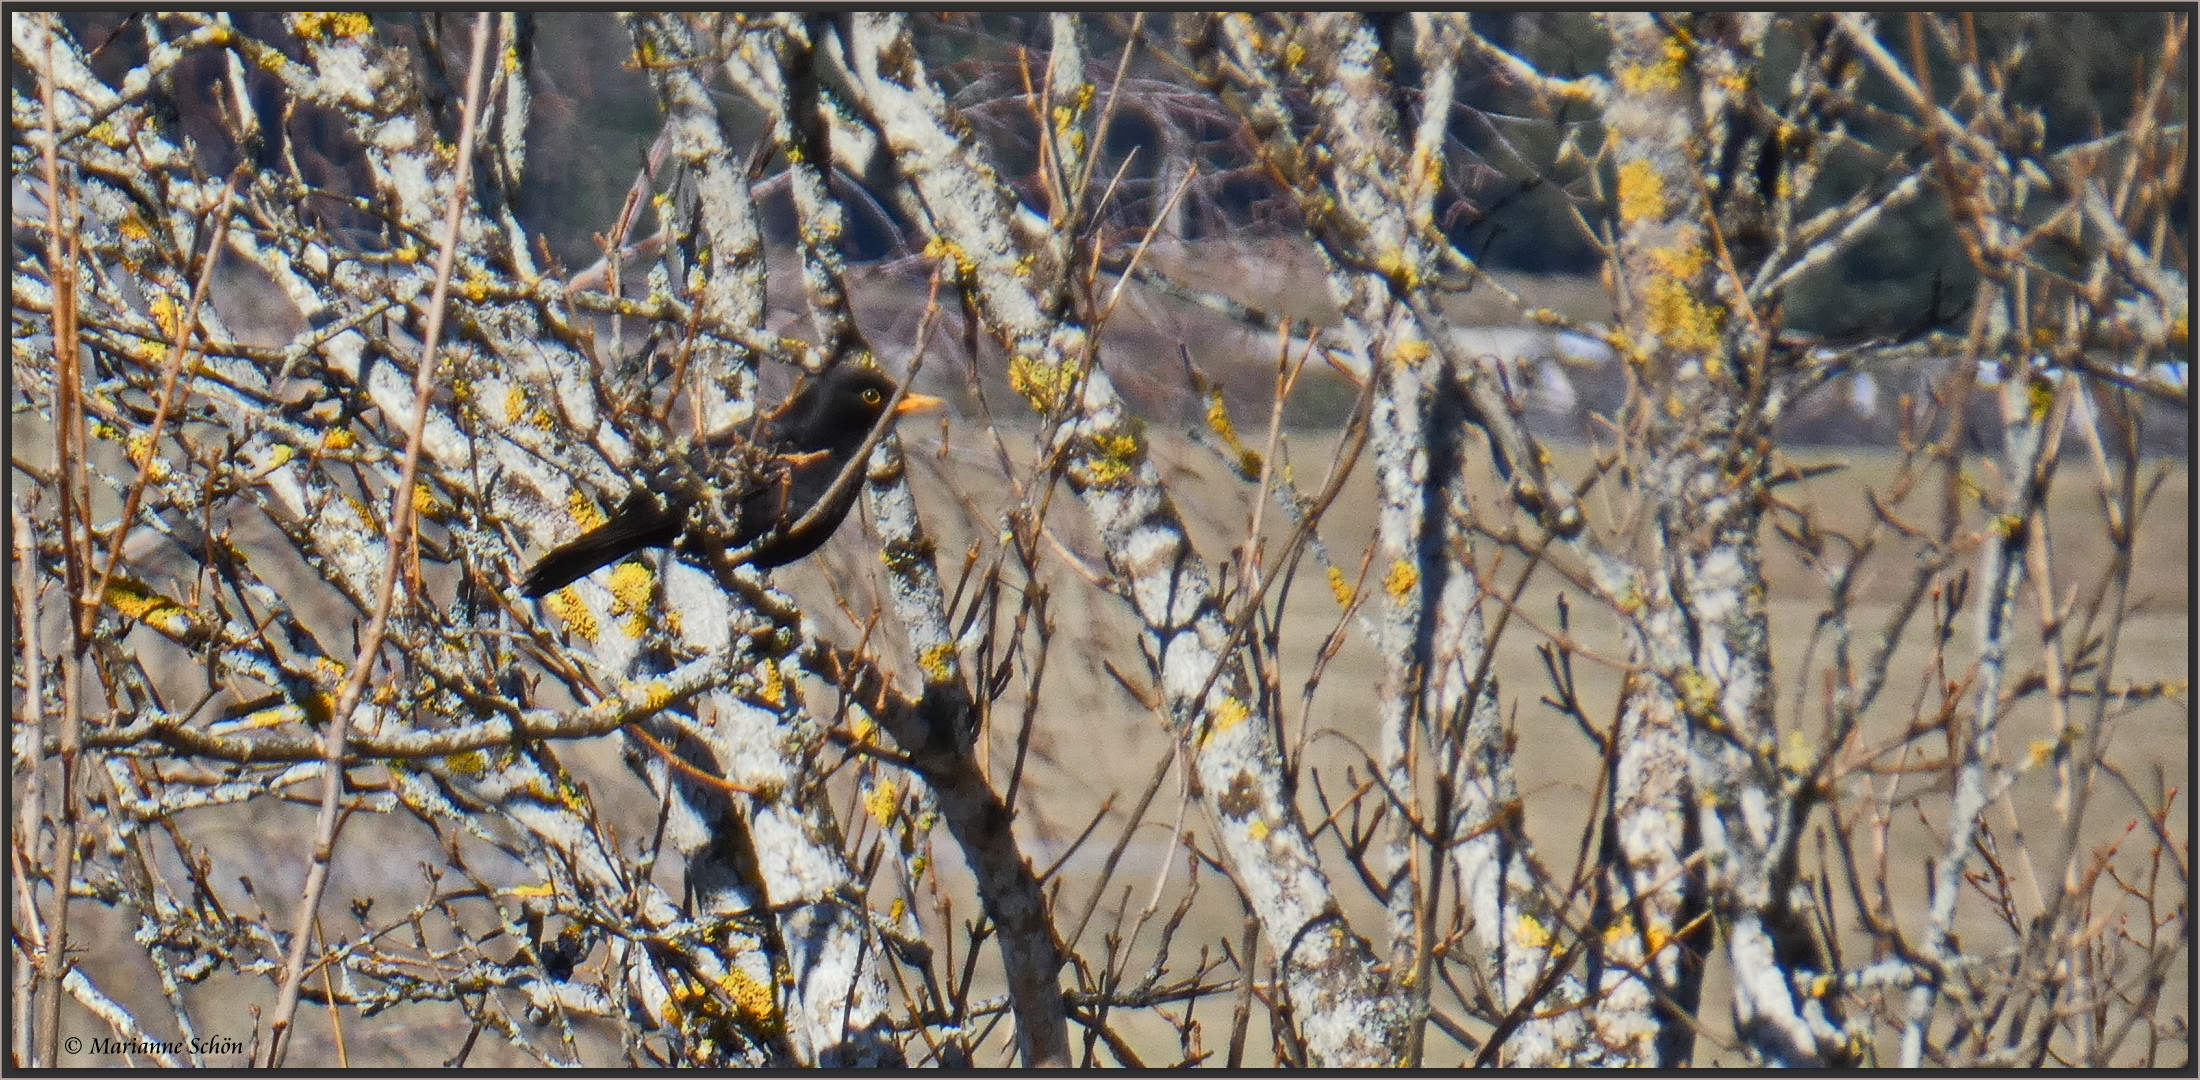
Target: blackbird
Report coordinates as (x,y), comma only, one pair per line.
(774,484)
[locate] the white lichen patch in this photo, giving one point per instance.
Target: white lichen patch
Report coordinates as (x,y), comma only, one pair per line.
(1718,585)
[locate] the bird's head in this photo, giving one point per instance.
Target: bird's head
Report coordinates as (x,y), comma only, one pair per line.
(838,409)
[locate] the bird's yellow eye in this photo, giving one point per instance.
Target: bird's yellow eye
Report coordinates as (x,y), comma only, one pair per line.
(871,396)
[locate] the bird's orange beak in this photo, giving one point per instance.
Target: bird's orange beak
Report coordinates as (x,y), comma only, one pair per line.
(916,402)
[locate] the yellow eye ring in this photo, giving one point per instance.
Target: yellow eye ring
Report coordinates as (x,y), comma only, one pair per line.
(871,396)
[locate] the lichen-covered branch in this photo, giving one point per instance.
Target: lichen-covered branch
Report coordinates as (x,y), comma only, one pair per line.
(1345,1011)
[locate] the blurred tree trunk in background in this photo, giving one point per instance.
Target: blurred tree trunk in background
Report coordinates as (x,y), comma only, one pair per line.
(301,387)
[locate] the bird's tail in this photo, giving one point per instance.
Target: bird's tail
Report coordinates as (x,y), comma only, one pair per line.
(641,522)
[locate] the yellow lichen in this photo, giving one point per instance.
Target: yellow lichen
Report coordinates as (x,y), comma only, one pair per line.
(938,663)
(273,716)
(774,687)
(136,600)
(632,582)
(1103,473)
(139,448)
(467,763)
(365,513)
(1230,713)
(1257,829)
(1698,696)
(1624,345)
(940,247)
(168,314)
(883,800)
(1530,933)
(1410,351)
(1115,455)
(1218,420)
(656,694)
(567,606)
(1798,753)
(570,795)
(425,503)
(1340,586)
(1661,75)
(1679,319)
(583,510)
(1683,261)
(1123,445)
(677,995)
(2040,396)
(1653,940)
(332,24)
(1401,579)
(1641,192)
(1398,268)
(1040,382)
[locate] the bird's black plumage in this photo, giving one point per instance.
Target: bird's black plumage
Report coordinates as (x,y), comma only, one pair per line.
(791,464)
